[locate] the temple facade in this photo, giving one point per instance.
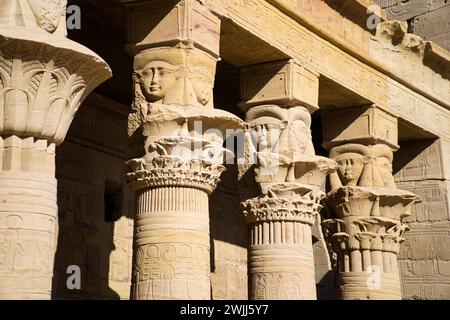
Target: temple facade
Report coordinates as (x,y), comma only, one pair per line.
(224,149)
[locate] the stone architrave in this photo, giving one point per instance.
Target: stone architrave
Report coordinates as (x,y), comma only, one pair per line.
(365,230)
(44,77)
(290,179)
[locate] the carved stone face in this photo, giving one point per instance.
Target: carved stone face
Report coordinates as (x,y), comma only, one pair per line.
(48,13)
(350,169)
(157,79)
(266,136)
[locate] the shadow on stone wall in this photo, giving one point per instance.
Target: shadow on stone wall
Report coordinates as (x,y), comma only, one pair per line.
(95,205)
(228,240)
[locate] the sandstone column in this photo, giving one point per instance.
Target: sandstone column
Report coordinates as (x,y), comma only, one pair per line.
(289,176)
(174,75)
(43,79)
(365,229)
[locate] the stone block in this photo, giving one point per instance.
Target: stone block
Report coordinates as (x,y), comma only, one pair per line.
(417,289)
(403,10)
(421,160)
(433,23)
(437,4)
(443,40)
(283,83)
(366,125)
(435,200)
(172,22)
(426,243)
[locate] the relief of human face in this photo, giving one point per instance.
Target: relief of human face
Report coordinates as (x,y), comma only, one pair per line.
(349,170)
(157,79)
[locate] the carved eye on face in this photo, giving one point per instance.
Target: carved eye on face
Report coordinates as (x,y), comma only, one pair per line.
(163,72)
(147,73)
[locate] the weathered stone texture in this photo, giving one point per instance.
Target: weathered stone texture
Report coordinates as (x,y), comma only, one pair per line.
(427,18)
(425,258)
(97,240)
(229,241)
(175,221)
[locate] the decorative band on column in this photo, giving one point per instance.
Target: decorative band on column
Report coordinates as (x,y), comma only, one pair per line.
(171,199)
(165,171)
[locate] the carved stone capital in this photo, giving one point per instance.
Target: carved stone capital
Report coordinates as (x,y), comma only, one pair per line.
(275,129)
(275,169)
(285,202)
(183,75)
(279,142)
(166,171)
(364,166)
(42,84)
(365,233)
(376,202)
(183,147)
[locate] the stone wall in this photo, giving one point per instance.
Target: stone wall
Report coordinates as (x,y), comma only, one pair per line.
(95,204)
(229,241)
(425,257)
(427,18)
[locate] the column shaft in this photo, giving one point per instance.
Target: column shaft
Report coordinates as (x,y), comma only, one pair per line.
(28,218)
(44,78)
(281,264)
(172,245)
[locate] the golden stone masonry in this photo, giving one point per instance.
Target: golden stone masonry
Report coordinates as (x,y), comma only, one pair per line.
(224,150)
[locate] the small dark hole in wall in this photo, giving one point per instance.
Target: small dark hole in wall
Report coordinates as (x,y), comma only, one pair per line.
(113,200)
(410,25)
